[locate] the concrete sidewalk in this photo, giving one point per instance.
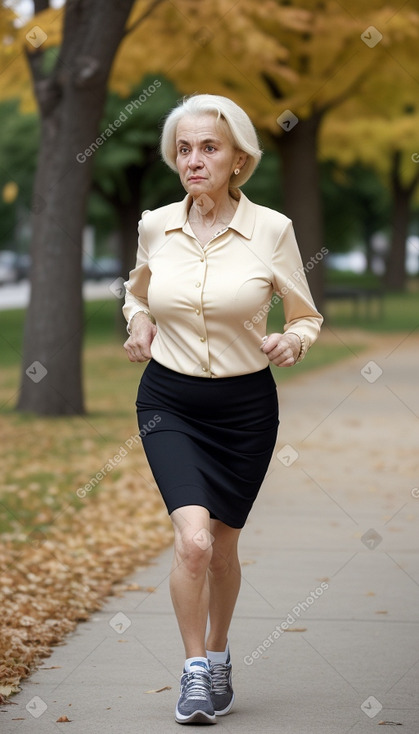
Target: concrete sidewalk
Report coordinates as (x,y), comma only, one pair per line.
(325,638)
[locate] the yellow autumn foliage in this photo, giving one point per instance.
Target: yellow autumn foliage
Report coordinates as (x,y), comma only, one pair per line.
(268,56)
(384,117)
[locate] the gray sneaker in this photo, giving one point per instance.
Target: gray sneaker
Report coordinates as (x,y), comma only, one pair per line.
(195,704)
(222,693)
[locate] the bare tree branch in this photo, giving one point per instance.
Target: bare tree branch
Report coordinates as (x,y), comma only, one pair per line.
(40,5)
(346,93)
(145,15)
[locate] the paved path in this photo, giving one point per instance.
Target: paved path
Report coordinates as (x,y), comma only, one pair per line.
(325,637)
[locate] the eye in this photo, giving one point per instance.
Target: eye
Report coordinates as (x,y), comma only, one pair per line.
(210,148)
(183,149)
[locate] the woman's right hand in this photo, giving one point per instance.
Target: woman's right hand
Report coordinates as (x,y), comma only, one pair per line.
(138,344)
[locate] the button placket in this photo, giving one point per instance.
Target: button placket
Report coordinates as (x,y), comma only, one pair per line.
(202,332)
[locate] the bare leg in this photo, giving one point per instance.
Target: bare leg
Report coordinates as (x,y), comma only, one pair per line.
(224,577)
(189,585)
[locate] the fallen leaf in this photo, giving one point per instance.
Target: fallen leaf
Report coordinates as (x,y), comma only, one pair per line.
(381,611)
(6,691)
(370,593)
(247,563)
(159,690)
(63,718)
(51,667)
(296,629)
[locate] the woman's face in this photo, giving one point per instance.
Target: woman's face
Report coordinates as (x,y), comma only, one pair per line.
(205,157)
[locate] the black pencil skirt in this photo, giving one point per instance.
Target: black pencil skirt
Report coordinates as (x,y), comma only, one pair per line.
(208,441)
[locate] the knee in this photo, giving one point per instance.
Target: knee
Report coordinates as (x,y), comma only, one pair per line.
(194,551)
(221,565)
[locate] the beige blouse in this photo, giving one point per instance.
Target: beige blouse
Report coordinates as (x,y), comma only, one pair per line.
(210,304)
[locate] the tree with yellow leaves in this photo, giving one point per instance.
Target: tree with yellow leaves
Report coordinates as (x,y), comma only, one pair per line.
(381,129)
(70,84)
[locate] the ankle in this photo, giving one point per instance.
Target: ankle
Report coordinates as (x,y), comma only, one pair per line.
(218,655)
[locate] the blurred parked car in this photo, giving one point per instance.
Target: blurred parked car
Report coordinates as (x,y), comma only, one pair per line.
(14,266)
(101,268)
(354,261)
(8,271)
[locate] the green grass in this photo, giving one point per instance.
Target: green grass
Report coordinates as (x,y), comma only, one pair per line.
(400,310)
(103,321)
(400,313)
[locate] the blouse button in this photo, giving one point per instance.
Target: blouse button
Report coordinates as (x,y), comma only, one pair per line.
(205,369)
(197,284)
(202,339)
(197,311)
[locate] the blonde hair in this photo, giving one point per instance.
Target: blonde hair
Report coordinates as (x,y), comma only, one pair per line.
(241,129)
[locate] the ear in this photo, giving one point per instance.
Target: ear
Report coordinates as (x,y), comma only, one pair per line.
(241,160)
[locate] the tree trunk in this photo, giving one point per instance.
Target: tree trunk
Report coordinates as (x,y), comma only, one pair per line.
(402,196)
(71,103)
(302,197)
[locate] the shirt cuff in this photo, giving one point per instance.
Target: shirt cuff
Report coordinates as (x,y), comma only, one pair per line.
(303,348)
(139,310)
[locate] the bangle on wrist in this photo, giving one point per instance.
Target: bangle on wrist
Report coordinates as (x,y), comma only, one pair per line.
(140,310)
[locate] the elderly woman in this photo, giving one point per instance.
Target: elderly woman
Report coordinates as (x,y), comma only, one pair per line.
(196,305)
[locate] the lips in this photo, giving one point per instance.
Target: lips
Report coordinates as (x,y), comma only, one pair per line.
(196,178)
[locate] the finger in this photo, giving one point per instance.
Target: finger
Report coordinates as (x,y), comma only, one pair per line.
(269,343)
(288,363)
(278,350)
(134,353)
(137,349)
(145,349)
(133,357)
(284,360)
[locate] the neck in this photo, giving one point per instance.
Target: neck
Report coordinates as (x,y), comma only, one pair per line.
(208,210)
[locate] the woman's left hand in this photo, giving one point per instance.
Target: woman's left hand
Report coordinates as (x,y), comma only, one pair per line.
(282,349)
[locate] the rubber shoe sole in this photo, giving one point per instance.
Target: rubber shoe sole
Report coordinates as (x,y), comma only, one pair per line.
(197,717)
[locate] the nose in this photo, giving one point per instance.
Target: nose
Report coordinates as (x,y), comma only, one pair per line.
(194,159)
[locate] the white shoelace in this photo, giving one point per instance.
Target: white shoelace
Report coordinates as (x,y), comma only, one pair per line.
(219,675)
(197,685)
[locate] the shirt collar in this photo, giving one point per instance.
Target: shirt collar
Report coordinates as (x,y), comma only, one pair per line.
(243,220)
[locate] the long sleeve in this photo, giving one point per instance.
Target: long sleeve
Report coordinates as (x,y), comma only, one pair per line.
(210,303)
(290,284)
(136,288)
